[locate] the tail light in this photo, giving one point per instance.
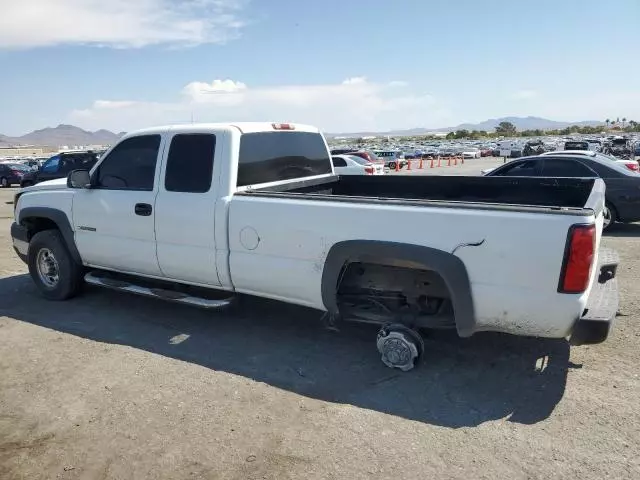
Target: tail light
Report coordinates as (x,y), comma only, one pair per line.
(578,258)
(632,166)
(368,170)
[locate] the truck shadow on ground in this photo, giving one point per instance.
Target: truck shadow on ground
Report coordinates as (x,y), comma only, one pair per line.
(461,382)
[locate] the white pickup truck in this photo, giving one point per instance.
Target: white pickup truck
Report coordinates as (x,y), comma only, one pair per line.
(197,214)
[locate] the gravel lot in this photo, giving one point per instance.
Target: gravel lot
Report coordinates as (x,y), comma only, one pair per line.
(116,386)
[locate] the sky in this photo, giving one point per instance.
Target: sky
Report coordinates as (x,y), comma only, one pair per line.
(344,66)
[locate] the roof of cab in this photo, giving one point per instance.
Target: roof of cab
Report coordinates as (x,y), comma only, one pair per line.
(244,127)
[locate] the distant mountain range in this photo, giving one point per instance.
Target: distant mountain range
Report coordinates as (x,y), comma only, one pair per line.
(62,135)
(521,123)
(524,123)
(70,135)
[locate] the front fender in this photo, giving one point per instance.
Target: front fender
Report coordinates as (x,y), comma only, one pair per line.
(58,217)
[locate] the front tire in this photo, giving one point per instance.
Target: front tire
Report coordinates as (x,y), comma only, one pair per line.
(54,271)
(27,183)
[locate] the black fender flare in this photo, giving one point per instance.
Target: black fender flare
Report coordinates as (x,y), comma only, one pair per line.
(60,219)
(450,267)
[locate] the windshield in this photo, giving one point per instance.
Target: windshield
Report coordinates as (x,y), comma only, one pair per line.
(19,166)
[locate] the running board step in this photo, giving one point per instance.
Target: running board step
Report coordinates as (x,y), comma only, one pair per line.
(161,293)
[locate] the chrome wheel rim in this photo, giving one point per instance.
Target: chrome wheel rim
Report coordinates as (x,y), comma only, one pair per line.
(4,182)
(606,217)
(47,267)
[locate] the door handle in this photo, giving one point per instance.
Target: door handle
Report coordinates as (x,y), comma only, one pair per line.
(143,209)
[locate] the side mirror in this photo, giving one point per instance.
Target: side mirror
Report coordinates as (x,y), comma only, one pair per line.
(79,179)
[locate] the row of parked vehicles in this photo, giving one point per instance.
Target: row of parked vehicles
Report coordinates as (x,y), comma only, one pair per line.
(620,176)
(364,162)
(204,214)
(14,172)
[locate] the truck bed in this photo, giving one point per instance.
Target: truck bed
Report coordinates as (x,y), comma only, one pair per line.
(568,195)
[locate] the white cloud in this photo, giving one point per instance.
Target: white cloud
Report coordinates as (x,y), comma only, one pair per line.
(524,94)
(203,92)
(112,104)
(352,105)
(398,83)
(354,81)
(118,23)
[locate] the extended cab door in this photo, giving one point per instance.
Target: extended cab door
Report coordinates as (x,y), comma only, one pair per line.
(114,221)
(185,208)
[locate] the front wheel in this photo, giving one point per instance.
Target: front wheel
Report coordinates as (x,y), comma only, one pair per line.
(4,183)
(54,271)
(610,216)
(26,183)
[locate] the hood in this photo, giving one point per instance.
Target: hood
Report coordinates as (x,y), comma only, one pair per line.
(57,184)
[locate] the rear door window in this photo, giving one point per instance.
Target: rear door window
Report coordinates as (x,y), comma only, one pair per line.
(67,164)
(557,167)
(527,168)
(190,163)
(338,162)
(274,156)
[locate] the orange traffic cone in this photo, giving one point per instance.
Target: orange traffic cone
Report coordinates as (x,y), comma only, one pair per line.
(420,166)
(408,164)
(397,165)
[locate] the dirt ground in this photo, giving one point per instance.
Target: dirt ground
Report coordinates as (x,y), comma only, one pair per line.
(112,386)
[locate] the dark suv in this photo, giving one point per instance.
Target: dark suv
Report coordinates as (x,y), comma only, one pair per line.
(59,166)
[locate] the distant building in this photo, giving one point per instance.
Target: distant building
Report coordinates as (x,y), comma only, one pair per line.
(26,151)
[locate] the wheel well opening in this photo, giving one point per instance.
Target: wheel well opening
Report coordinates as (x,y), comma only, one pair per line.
(38,224)
(391,290)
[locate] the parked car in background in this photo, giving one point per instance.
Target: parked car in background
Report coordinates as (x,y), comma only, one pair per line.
(630,164)
(390,158)
(622,194)
(12,173)
(59,166)
(576,145)
(341,151)
(471,153)
(486,152)
(354,165)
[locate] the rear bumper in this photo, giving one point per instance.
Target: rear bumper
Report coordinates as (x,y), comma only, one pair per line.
(20,237)
(602,306)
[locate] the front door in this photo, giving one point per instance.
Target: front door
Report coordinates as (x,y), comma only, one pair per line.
(114,221)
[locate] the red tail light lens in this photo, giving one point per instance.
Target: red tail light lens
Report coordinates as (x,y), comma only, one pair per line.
(578,258)
(368,170)
(632,166)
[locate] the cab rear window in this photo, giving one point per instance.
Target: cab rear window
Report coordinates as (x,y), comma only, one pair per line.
(274,156)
